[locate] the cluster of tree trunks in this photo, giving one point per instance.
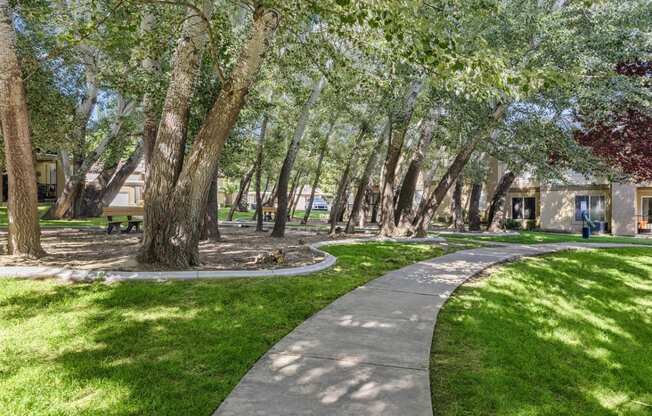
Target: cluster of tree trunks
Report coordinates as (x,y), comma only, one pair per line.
(178,184)
(286,169)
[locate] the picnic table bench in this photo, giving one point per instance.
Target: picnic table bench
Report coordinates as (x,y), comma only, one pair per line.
(269,213)
(128,212)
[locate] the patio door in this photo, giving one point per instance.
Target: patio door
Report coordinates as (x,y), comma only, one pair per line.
(645,222)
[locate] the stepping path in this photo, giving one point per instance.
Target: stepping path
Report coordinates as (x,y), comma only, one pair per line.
(368,352)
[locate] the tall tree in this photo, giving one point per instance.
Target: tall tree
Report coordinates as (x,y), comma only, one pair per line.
(399,123)
(259,173)
(323,149)
(404,212)
(176,202)
(288,163)
(24,230)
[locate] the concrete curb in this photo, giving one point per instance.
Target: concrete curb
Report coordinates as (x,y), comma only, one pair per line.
(79,275)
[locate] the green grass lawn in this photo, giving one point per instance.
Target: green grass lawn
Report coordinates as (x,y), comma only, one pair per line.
(175,348)
(538,237)
(298,215)
(565,334)
(87,222)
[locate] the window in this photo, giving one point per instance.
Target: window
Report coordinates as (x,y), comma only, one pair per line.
(524,208)
(593,205)
(597,208)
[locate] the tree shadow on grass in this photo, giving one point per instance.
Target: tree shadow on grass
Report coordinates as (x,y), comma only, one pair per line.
(564,334)
(177,348)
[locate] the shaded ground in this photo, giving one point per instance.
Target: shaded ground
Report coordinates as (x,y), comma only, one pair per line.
(565,334)
(94,249)
(175,348)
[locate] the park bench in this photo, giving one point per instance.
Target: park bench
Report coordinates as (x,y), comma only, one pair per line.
(128,212)
(269,213)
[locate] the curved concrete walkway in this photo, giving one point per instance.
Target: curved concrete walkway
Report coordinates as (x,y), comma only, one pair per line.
(368,352)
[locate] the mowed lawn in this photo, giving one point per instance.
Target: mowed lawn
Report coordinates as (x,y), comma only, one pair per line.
(175,348)
(564,334)
(539,237)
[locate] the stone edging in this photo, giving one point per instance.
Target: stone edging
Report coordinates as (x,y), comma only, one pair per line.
(38,272)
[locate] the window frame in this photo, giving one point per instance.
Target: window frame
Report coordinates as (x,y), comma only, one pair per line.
(522,216)
(590,210)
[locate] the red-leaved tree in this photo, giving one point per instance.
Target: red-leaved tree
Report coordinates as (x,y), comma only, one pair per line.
(625,141)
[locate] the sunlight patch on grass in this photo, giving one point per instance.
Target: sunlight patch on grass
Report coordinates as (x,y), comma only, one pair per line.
(564,334)
(175,348)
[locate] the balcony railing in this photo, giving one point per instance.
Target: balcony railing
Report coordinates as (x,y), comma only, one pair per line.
(644,223)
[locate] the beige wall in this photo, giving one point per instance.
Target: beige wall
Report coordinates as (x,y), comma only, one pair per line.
(623,220)
(558,206)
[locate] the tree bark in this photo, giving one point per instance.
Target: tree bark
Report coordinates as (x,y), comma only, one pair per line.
(211,223)
(288,163)
(293,188)
(167,159)
(474,207)
(456,205)
(244,186)
(174,215)
(495,211)
(435,198)
(259,174)
(315,183)
(404,211)
(24,237)
(363,184)
(399,122)
(151,67)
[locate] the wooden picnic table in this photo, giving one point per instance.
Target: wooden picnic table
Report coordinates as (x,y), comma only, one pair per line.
(269,213)
(129,212)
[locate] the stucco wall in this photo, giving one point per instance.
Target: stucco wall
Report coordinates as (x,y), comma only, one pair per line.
(558,206)
(623,221)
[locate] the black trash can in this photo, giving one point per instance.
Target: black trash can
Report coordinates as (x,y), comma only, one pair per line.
(586,232)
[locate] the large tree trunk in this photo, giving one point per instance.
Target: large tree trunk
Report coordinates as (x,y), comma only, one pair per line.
(166,161)
(24,230)
(495,211)
(259,173)
(435,198)
(399,122)
(288,163)
(244,187)
(315,183)
(474,207)
(456,205)
(173,218)
(363,184)
(404,211)
(66,204)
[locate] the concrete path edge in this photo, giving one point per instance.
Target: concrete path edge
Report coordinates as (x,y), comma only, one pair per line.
(45,272)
